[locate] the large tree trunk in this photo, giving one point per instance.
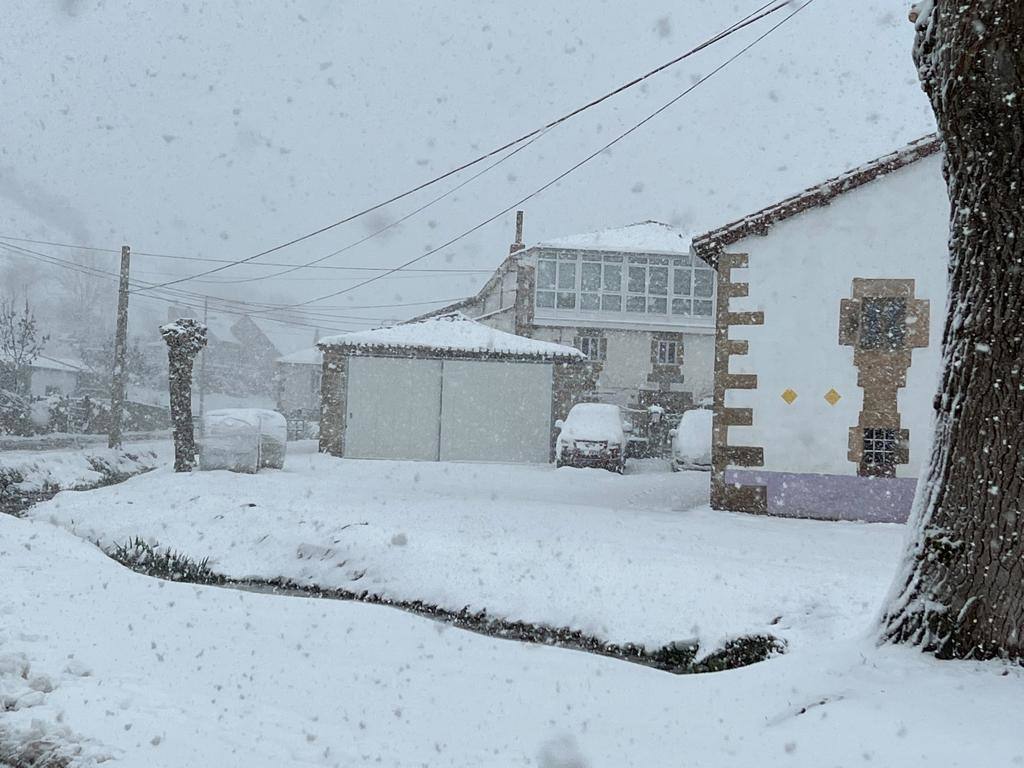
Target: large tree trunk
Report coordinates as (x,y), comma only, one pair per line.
(961,591)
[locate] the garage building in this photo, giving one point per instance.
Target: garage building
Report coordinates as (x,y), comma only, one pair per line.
(447,389)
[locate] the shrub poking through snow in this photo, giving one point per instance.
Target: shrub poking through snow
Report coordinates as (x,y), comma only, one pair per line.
(142,557)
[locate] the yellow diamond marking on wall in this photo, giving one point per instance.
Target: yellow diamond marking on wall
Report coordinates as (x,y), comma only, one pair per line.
(789,396)
(832,397)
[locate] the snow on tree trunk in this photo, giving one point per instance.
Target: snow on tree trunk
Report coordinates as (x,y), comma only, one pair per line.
(184,337)
(960,593)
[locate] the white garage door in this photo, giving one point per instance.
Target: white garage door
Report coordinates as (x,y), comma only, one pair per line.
(495,411)
(393,408)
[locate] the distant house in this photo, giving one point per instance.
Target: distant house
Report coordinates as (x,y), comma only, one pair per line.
(446,389)
(240,354)
(56,376)
(45,375)
(829,323)
(633,299)
(297,378)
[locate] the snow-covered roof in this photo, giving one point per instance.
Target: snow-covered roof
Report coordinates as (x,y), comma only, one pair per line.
(58,364)
(287,338)
(311,356)
(642,237)
(452,332)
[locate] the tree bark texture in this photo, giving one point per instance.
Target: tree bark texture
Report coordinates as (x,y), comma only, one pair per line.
(960,593)
(184,337)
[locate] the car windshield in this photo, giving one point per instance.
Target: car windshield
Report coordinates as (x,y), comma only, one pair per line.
(586,416)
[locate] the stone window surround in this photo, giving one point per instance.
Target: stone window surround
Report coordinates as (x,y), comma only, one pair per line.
(593,339)
(881,371)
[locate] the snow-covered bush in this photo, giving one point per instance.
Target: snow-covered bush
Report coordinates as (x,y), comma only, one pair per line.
(142,557)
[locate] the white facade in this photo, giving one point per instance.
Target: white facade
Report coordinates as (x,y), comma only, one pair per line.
(808,405)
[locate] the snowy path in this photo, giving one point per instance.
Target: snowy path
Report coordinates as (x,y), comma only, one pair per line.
(161,675)
(638,558)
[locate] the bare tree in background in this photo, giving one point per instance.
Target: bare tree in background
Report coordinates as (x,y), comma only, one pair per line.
(184,337)
(85,300)
(961,591)
(20,345)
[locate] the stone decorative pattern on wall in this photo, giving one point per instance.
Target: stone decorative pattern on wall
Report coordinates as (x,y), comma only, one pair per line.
(725,495)
(882,365)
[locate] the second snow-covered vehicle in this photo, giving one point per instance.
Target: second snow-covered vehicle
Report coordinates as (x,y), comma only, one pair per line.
(691,441)
(592,435)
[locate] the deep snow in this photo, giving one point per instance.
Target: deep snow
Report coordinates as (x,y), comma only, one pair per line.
(159,674)
(634,558)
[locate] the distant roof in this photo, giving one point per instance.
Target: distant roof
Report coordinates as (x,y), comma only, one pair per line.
(311,356)
(286,338)
(57,364)
(712,243)
(452,332)
(641,237)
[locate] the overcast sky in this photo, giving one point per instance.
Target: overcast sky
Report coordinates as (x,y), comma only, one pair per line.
(221,129)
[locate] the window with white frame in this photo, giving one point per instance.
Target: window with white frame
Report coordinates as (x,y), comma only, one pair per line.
(667,353)
(594,347)
(637,286)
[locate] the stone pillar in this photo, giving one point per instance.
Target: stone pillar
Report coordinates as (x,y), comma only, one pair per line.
(333,402)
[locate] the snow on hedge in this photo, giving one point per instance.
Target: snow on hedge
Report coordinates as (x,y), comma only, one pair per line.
(452,332)
(31,471)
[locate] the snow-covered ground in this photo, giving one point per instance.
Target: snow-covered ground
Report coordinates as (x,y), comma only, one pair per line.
(635,558)
(158,674)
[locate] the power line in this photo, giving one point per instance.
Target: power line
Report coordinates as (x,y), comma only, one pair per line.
(396,222)
(752,18)
(78,246)
(565,173)
(179,301)
(179,296)
(231,306)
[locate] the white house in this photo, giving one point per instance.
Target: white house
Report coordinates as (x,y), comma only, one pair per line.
(829,325)
(632,299)
(55,376)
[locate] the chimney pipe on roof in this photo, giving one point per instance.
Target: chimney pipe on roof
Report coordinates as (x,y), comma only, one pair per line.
(518,244)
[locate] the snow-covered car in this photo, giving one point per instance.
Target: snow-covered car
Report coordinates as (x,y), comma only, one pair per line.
(592,435)
(243,439)
(691,441)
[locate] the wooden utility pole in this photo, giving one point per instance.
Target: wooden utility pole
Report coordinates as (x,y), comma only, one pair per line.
(117,387)
(202,372)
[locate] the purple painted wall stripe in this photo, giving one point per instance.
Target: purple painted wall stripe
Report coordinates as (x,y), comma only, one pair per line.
(832,497)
